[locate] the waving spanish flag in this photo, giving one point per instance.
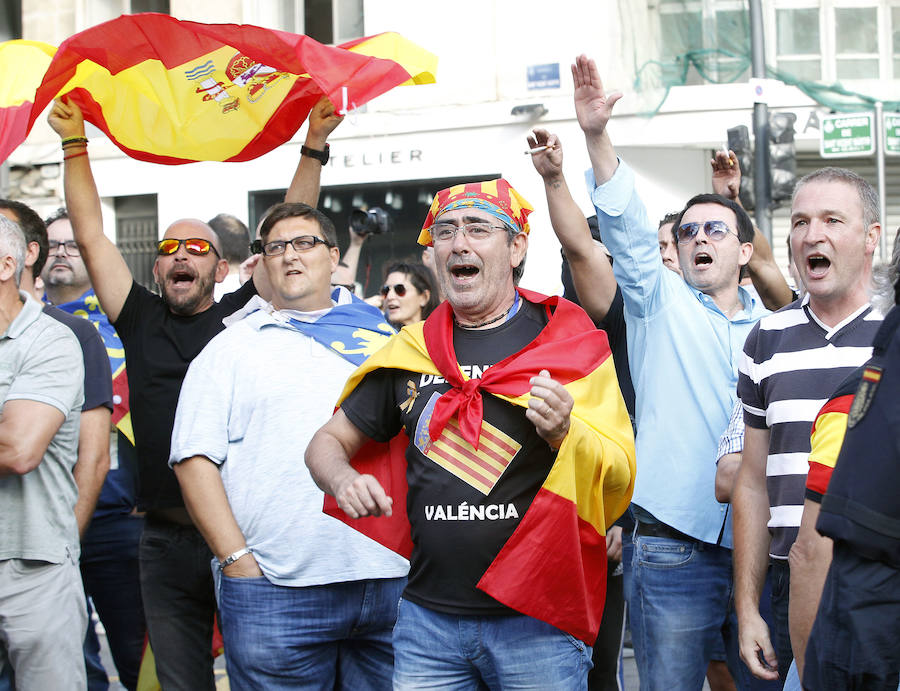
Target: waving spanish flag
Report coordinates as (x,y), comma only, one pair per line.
(22,64)
(560,543)
(172,91)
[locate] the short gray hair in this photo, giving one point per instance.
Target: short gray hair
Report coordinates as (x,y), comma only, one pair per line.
(868,197)
(12,243)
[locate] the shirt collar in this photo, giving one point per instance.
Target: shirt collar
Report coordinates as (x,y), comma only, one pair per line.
(31,310)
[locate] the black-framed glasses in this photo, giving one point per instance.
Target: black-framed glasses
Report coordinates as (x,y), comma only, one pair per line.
(398,288)
(445,232)
(714,230)
(197,246)
(70,247)
(301,243)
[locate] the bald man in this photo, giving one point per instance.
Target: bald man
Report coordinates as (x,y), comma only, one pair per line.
(162,334)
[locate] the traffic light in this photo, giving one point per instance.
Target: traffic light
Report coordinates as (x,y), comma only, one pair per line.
(782,155)
(739,142)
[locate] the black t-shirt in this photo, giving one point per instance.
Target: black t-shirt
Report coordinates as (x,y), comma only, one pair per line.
(463,505)
(97,375)
(159,346)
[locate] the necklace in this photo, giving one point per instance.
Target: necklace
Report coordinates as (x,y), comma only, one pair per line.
(492,320)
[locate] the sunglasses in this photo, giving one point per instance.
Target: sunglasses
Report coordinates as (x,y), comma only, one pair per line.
(399,289)
(714,230)
(197,246)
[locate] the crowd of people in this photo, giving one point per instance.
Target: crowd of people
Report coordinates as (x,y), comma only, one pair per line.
(458,483)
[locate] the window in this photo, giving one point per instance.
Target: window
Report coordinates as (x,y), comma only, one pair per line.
(11,20)
(835,40)
(137,232)
(327,21)
(708,33)
(798,42)
(856,42)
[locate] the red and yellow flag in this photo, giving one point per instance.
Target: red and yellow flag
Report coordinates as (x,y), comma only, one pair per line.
(172,91)
(22,64)
(561,540)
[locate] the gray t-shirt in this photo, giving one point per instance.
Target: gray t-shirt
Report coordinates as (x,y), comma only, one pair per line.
(40,360)
(250,403)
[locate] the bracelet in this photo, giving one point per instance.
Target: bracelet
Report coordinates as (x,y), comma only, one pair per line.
(66,158)
(74,140)
(321,156)
(234,556)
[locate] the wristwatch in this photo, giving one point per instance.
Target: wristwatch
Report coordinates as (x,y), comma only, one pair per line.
(234,556)
(322,156)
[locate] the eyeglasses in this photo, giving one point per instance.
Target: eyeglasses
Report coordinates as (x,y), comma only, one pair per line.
(714,230)
(301,243)
(445,232)
(70,247)
(197,246)
(399,289)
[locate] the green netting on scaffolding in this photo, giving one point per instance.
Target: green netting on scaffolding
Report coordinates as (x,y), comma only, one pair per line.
(689,42)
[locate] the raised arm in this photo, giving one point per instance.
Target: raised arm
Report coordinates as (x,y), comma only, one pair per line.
(764,272)
(345,274)
(328,459)
(110,276)
(591,271)
(305,185)
(593,108)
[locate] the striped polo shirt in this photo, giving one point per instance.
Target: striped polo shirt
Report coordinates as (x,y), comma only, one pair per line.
(792,364)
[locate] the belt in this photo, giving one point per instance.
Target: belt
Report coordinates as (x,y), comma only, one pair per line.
(658,529)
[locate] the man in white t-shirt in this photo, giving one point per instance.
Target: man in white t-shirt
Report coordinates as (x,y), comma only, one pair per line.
(303,598)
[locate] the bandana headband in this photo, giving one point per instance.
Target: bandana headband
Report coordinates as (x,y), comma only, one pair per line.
(496,197)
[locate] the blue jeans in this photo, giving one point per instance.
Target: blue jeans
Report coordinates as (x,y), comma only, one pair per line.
(681,606)
(433,650)
(335,636)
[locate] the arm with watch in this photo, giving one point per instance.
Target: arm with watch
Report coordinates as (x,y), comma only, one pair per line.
(206,501)
(313,154)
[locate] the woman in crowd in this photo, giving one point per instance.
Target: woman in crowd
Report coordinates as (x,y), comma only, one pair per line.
(408,294)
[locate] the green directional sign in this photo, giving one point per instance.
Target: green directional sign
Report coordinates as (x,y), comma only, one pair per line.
(892,133)
(848,134)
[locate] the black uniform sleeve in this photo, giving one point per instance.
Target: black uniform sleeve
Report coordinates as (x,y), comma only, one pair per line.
(232,302)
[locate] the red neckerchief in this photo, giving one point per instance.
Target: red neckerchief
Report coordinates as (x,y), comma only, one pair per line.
(561,348)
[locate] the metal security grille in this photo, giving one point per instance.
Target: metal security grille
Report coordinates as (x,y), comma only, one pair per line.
(137,232)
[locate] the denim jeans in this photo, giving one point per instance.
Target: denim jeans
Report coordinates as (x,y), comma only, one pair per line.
(109,569)
(433,650)
(780,632)
(335,636)
(681,606)
(179,603)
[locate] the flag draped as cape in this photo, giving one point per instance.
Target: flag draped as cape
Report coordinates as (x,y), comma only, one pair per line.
(553,567)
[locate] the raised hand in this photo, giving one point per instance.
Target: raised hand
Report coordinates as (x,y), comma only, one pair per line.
(66,119)
(593,106)
(726,176)
(548,163)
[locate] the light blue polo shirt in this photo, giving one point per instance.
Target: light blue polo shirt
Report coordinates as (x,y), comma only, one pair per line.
(684,354)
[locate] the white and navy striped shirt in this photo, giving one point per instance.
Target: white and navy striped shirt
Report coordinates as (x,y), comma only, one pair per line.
(791,365)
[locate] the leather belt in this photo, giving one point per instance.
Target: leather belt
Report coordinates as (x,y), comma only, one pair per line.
(658,529)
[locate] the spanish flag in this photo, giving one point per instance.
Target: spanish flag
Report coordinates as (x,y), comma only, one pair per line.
(22,64)
(171,91)
(553,567)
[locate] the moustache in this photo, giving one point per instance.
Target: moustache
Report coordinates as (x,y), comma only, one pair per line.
(60,262)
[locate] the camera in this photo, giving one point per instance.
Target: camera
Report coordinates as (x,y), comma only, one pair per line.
(375,221)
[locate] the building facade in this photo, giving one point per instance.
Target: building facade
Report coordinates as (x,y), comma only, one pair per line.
(503,69)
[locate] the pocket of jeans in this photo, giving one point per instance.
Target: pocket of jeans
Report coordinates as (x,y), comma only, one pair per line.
(154,547)
(663,553)
(580,645)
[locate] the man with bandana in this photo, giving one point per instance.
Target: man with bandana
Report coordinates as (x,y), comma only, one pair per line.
(520,454)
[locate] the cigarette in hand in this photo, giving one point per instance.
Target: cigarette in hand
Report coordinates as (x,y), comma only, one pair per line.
(538,149)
